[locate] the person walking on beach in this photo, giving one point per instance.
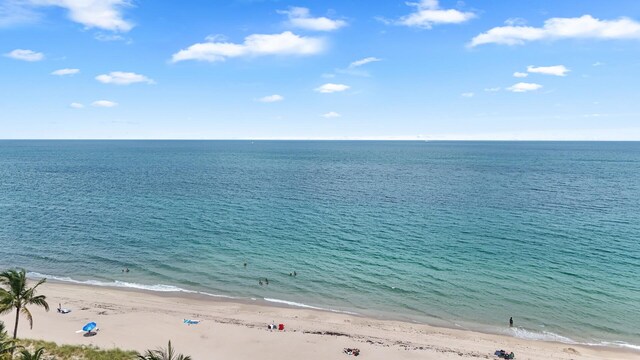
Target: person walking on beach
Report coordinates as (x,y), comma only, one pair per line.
(511,322)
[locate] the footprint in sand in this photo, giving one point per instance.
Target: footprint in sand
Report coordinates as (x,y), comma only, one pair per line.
(571,351)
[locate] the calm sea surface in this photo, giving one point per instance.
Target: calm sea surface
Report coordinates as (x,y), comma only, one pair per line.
(461,234)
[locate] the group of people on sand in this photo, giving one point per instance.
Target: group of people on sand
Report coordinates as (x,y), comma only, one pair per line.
(350,351)
(505,354)
(273,326)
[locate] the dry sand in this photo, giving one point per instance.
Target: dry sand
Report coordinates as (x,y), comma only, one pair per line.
(139,320)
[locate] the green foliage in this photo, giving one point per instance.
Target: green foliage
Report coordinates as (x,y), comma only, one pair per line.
(16,295)
(64,352)
(6,344)
(163,354)
(28,355)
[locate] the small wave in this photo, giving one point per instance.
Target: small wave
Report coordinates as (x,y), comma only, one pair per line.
(621,344)
(123,284)
(543,336)
(549,336)
(305,306)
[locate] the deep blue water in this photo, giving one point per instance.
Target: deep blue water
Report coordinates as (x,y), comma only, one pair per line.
(451,233)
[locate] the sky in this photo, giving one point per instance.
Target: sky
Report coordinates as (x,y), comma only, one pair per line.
(331,69)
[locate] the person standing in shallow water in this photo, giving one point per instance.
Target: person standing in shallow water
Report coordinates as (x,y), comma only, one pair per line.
(511,322)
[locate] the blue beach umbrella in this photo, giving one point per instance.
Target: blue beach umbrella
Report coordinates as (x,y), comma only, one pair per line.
(90,326)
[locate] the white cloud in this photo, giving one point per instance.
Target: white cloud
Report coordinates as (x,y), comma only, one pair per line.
(428,13)
(271,98)
(300,17)
(62,72)
(515,21)
(331,115)
(25,55)
(76,105)
(520,74)
(468,94)
(102,14)
(493,89)
(557,70)
(355,68)
(286,43)
(123,78)
(14,12)
(524,87)
(110,37)
(216,38)
(331,88)
(597,63)
(364,61)
(104,103)
(584,27)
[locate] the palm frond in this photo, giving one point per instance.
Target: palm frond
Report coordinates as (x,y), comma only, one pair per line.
(163,354)
(27,313)
(6,302)
(39,300)
(36,355)
(7,347)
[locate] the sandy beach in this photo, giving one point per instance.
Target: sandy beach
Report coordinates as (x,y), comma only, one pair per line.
(137,320)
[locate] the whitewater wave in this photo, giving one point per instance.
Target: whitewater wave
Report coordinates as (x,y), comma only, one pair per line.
(305,306)
(549,336)
(621,344)
(124,284)
(542,336)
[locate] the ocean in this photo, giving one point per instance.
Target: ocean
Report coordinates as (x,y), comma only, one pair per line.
(457,234)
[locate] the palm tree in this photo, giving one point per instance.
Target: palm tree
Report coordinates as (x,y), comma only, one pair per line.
(18,296)
(163,354)
(27,355)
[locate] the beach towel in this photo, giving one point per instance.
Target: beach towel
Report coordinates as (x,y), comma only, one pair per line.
(191,322)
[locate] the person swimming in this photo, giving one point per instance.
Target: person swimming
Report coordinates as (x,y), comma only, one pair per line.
(511,322)
(260,282)
(266,281)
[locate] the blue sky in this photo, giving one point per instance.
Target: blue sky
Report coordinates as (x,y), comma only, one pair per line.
(343,69)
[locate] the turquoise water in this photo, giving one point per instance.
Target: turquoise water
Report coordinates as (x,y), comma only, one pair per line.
(462,234)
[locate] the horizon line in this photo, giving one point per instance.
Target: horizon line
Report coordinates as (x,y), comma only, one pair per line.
(320,139)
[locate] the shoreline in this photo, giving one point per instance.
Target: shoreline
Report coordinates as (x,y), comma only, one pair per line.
(174,291)
(137,319)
